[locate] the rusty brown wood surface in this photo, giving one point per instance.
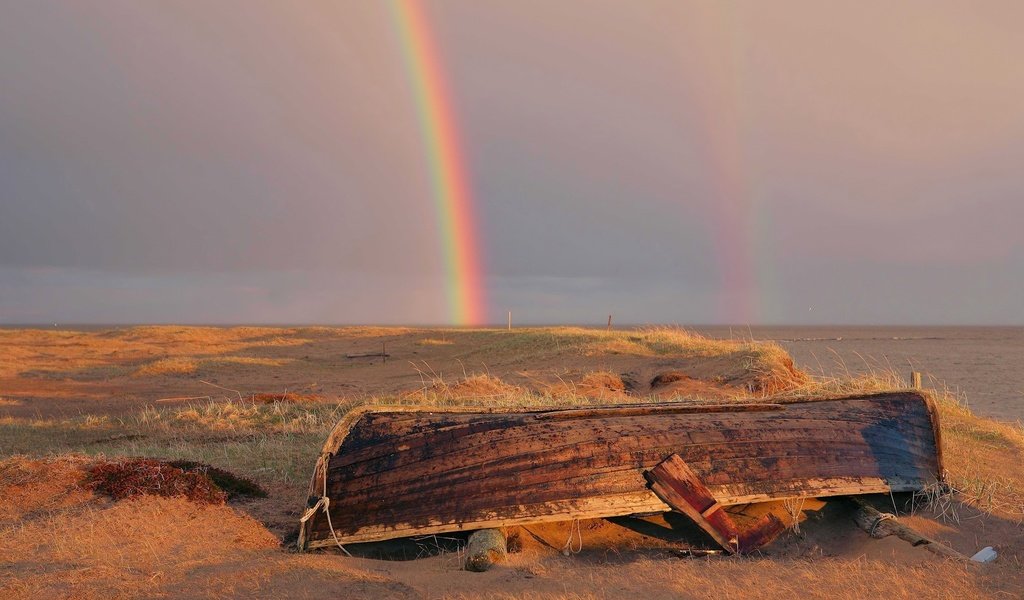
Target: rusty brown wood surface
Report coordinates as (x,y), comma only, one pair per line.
(677,485)
(393,472)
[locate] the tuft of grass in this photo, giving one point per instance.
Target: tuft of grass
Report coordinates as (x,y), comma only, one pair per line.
(287,397)
(603,386)
(603,380)
(167,366)
(985,459)
(481,387)
(244,360)
(435,342)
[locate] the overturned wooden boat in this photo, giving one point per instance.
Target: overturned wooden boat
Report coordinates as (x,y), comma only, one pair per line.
(388,472)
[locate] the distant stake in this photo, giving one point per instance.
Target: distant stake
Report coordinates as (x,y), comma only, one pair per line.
(384,351)
(609,322)
(915,380)
(510,320)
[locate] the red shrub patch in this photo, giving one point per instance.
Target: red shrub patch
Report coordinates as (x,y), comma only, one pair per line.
(139,476)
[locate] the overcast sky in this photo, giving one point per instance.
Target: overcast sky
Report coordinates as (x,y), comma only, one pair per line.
(793,162)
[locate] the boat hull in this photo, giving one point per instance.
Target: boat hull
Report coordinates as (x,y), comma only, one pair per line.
(390,472)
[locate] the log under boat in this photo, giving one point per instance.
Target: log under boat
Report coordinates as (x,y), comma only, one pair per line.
(389,472)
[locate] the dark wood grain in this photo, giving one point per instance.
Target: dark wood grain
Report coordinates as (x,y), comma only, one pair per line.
(677,485)
(393,472)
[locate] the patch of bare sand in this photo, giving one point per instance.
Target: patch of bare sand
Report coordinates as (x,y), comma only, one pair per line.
(84,546)
(595,385)
(58,539)
(831,558)
(656,577)
(676,384)
(33,487)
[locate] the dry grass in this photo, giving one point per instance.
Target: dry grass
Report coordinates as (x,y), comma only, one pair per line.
(745,578)
(985,460)
(547,341)
(356,332)
(482,387)
(272,443)
(168,366)
(128,549)
(751,367)
(601,386)
(288,398)
(32,487)
(435,342)
(68,352)
(257,417)
(245,360)
(603,380)
(150,546)
(164,356)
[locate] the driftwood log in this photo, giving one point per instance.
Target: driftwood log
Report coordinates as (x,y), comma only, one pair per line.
(485,547)
(879,525)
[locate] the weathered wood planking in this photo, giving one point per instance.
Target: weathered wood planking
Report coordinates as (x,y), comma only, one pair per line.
(677,485)
(399,471)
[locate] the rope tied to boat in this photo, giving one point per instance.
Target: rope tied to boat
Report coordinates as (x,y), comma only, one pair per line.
(878,520)
(325,503)
(574,528)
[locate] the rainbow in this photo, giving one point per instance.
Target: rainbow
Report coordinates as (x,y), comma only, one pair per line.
(453,199)
(715,60)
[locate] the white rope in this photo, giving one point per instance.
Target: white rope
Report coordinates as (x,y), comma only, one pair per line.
(326,503)
(878,520)
(574,527)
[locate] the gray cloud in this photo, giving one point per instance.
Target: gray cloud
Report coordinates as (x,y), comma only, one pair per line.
(665,161)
